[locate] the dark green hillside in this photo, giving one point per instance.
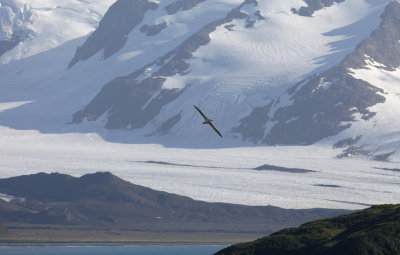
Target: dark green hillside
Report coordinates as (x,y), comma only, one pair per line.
(375,230)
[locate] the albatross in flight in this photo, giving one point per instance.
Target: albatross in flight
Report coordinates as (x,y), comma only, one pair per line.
(207,121)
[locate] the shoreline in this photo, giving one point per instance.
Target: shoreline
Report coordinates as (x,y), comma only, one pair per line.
(82,237)
(100,244)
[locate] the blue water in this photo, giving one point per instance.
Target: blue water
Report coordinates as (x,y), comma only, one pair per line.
(114,250)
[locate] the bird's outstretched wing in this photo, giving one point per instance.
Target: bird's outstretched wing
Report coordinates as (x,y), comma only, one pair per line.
(202,114)
(215,129)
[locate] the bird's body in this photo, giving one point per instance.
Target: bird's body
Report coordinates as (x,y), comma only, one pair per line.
(208,121)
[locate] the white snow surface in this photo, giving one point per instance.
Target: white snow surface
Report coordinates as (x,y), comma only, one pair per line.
(247,67)
(8,198)
(5,197)
(236,71)
(387,113)
(53,22)
(216,175)
(15,20)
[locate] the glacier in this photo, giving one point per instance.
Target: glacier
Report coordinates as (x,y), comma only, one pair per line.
(248,64)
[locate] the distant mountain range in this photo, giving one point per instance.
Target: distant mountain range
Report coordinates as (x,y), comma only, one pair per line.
(104,202)
(267,72)
(375,230)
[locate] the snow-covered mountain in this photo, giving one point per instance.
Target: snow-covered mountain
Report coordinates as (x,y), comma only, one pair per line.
(267,72)
(89,86)
(15,24)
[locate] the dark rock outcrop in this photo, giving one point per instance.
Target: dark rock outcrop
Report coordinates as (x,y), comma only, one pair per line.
(185,5)
(267,167)
(382,45)
(252,127)
(121,18)
(314,5)
(346,142)
(7,45)
(153,30)
(124,100)
(111,35)
(321,106)
(169,123)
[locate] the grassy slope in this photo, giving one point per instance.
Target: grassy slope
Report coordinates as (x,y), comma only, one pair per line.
(375,230)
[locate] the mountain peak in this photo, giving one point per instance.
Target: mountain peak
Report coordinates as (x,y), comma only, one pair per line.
(99,177)
(382,46)
(328,103)
(111,35)
(56,186)
(265,74)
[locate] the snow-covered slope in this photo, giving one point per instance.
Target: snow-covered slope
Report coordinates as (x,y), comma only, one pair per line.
(33,70)
(15,24)
(44,25)
(233,59)
(217,175)
(358,92)
(238,68)
(267,72)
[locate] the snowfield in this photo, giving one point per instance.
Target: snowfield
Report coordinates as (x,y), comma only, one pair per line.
(215,175)
(238,71)
(387,117)
(231,75)
(52,23)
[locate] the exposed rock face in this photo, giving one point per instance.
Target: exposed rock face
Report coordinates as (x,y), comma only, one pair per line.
(252,127)
(6,45)
(383,156)
(352,151)
(134,100)
(122,17)
(171,9)
(382,45)
(153,30)
(168,124)
(314,5)
(327,103)
(185,5)
(111,35)
(267,167)
(346,142)
(321,106)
